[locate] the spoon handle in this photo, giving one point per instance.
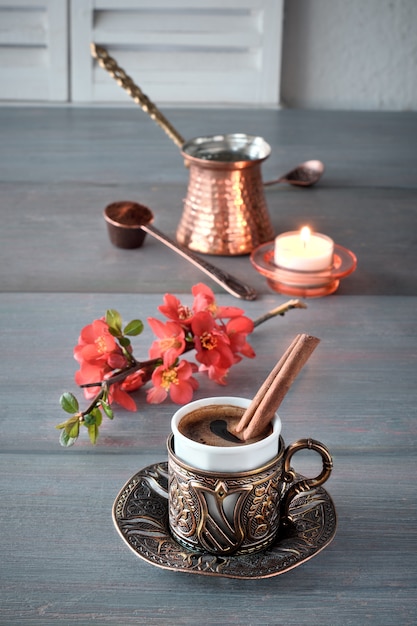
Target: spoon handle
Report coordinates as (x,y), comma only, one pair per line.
(228,282)
(275,181)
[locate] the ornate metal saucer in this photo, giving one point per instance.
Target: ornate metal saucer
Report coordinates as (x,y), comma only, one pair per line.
(140,514)
(301,283)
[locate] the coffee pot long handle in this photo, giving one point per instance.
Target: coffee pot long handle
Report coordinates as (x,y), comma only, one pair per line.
(228,282)
(126,82)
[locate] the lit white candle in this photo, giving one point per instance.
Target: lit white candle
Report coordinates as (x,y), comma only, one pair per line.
(303,250)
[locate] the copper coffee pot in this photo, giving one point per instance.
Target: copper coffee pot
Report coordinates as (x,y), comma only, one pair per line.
(225,211)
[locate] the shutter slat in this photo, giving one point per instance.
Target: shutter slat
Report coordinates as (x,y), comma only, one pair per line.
(229,51)
(33,50)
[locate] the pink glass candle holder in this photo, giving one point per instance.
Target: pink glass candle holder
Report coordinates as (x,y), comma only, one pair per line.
(303,283)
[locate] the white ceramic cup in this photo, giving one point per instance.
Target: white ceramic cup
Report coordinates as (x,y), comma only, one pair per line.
(229,458)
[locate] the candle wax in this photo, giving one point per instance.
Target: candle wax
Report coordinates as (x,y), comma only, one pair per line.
(294,253)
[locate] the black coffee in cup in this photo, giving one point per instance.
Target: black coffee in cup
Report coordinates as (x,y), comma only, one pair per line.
(202,425)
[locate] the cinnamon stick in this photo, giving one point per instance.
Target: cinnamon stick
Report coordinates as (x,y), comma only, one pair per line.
(248,414)
(260,412)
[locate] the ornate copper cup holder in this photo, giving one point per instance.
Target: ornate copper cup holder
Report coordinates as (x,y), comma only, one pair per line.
(303,284)
(140,515)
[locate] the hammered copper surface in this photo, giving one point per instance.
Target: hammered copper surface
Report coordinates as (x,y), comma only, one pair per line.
(225,211)
(140,514)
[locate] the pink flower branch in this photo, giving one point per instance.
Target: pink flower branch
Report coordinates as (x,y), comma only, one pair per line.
(217,335)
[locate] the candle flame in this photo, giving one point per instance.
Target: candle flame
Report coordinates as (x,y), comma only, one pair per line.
(305,233)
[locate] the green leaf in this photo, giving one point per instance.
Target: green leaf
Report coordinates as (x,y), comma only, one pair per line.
(98,418)
(75,430)
(114,322)
(93,433)
(69,424)
(69,403)
(124,342)
(89,419)
(135,327)
(65,440)
(107,409)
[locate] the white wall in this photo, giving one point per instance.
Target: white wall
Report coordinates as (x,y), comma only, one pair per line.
(350,54)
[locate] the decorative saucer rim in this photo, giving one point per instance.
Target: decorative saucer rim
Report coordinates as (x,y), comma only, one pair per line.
(140,515)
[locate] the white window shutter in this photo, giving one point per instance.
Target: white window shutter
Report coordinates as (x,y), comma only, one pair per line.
(225,52)
(33,50)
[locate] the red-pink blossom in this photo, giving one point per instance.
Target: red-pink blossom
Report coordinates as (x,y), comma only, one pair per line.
(95,343)
(171,342)
(212,344)
(132,382)
(214,372)
(174,310)
(204,300)
(116,360)
(90,373)
(117,394)
(176,381)
(237,330)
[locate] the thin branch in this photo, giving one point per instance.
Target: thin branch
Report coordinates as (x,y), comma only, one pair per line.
(280,310)
(122,374)
(94,401)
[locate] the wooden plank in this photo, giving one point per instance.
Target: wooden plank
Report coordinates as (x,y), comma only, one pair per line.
(349,384)
(62,561)
(68,564)
(365,201)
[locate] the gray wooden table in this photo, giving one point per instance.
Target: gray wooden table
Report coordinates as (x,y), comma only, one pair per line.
(61,558)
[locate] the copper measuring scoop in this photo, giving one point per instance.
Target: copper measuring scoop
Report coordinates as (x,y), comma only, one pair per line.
(127,224)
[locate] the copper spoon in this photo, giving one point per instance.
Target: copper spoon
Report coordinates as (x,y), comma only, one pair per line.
(228,282)
(304,175)
(126,233)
